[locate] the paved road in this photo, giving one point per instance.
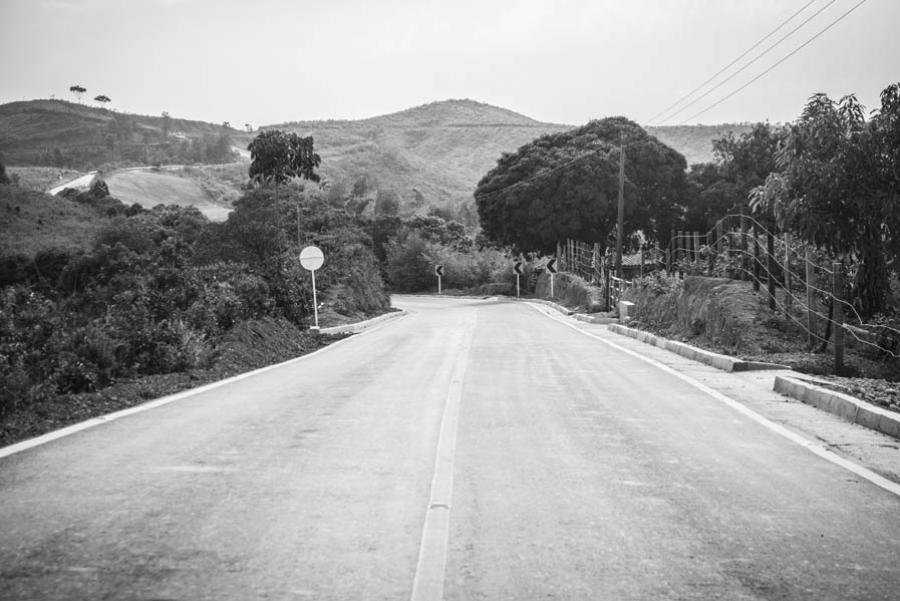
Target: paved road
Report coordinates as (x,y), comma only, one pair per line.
(474,450)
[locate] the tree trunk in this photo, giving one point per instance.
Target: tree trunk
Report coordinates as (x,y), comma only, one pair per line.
(871,282)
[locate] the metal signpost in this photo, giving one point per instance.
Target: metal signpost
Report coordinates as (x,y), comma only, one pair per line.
(311,258)
(517,268)
(551,267)
(439,272)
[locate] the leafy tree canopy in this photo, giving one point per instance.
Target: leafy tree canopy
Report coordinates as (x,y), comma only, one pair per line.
(565,185)
(278,157)
(838,186)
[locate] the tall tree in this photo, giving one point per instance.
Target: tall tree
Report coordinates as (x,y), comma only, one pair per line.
(78,90)
(277,157)
(565,185)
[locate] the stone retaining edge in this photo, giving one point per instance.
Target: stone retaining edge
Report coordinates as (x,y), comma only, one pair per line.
(840,404)
(723,362)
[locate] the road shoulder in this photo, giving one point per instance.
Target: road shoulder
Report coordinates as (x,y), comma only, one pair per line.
(755,390)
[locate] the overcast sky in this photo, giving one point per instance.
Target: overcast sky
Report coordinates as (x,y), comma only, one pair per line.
(565,61)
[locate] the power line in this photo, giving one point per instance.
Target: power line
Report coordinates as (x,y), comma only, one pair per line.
(720,71)
(789,55)
(756,58)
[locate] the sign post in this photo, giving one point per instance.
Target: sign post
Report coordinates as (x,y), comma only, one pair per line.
(439,272)
(517,268)
(551,267)
(311,258)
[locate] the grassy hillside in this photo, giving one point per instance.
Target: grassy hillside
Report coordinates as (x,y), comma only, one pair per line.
(64,134)
(695,141)
(429,156)
(442,149)
(149,188)
(439,150)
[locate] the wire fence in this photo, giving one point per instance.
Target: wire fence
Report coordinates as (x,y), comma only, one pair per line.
(803,284)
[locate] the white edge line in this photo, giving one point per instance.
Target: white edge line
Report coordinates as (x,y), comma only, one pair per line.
(102,419)
(815,448)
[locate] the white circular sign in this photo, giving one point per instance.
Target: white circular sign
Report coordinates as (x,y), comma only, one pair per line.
(311,258)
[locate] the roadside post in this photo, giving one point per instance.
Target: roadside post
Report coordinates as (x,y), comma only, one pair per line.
(311,258)
(439,272)
(551,268)
(517,268)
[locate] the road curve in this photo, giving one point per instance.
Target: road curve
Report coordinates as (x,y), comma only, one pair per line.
(573,471)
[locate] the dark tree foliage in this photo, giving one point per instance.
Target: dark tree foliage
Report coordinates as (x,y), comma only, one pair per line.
(278,157)
(838,187)
(4,179)
(566,186)
(722,187)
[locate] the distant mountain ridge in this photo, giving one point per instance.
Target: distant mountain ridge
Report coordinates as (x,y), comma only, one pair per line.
(431,155)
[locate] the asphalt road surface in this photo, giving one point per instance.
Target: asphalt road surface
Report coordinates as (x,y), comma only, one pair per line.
(470,450)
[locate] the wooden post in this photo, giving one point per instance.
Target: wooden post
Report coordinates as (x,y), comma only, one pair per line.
(837,291)
(743,245)
(670,254)
(620,222)
(770,269)
(606,280)
(711,268)
(696,246)
(642,261)
(810,299)
(719,242)
(787,273)
(755,257)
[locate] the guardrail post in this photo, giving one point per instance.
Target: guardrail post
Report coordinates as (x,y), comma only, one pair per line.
(837,291)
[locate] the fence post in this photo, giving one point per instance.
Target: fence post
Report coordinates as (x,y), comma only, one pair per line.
(743,245)
(670,252)
(712,254)
(559,254)
(810,299)
(642,261)
(787,273)
(770,268)
(837,292)
(606,280)
(755,257)
(719,236)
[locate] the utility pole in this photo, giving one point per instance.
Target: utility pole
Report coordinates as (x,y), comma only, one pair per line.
(620,225)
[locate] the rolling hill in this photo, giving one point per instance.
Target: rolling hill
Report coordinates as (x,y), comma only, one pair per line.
(441,150)
(428,156)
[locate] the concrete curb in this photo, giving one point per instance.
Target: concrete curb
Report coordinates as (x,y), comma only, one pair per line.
(587,318)
(557,306)
(354,328)
(843,405)
(723,362)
